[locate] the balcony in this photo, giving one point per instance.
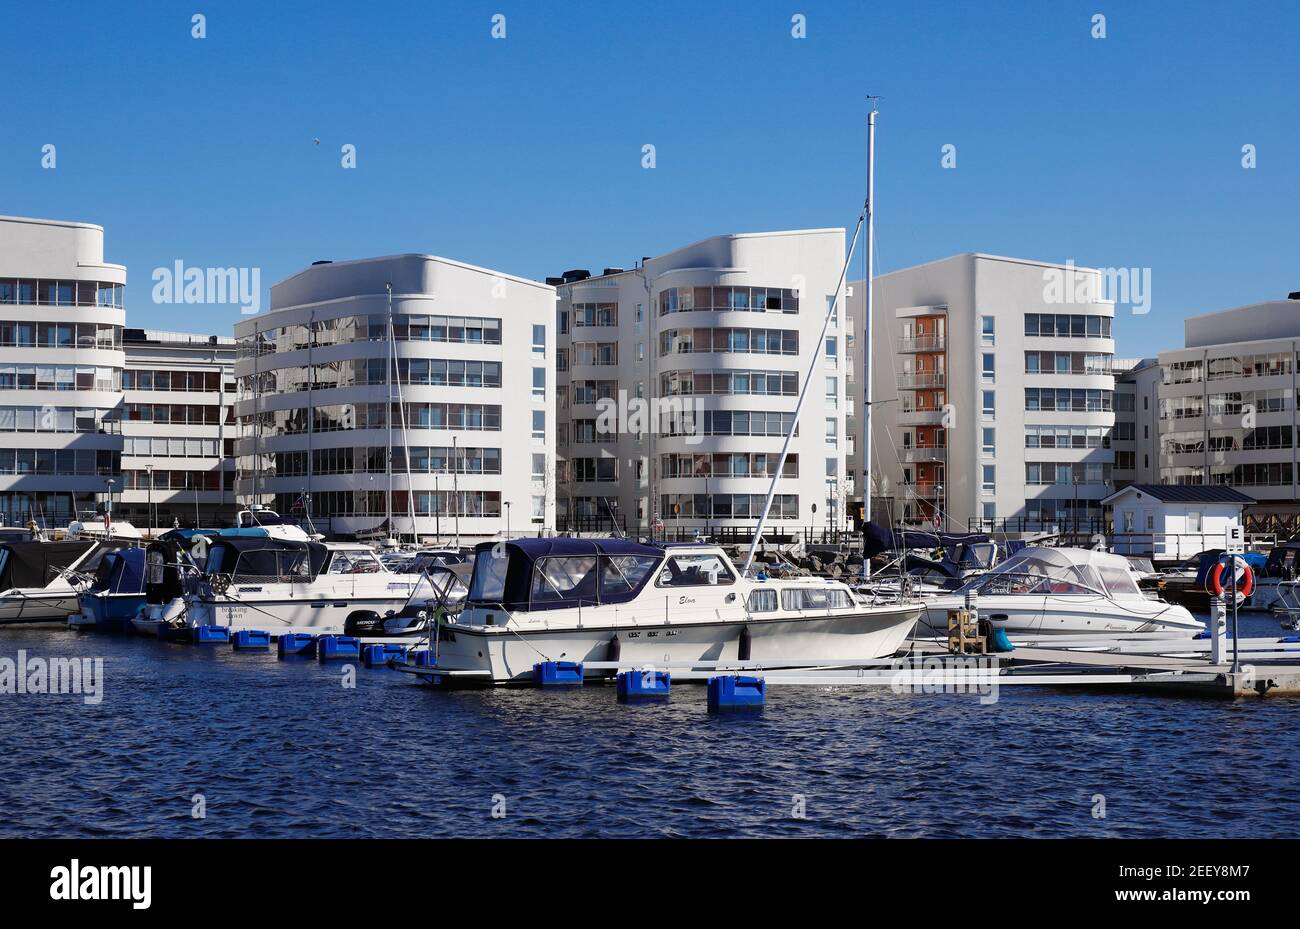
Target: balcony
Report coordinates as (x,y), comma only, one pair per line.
(910,345)
(921,380)
(920,417)
(912,455)
(928,491)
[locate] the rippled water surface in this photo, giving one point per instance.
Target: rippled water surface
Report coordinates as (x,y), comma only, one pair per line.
(283,749)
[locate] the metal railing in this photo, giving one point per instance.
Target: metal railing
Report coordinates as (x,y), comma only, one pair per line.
(922,343)
(921,380)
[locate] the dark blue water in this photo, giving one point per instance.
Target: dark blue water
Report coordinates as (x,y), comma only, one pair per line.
(282,749)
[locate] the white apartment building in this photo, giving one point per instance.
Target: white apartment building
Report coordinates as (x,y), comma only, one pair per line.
(716,338)
(178,430)
(321,407)
(61,319)
(1228,410)
(1136,436)
(993,394)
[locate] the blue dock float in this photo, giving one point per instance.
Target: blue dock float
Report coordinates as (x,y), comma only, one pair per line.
(207,635)
(379,655)
(249,640)
(558,673)
(640,685)
(296,643)
(734,692)
(338,646)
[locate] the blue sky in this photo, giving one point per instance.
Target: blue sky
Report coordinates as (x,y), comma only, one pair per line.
(524,154)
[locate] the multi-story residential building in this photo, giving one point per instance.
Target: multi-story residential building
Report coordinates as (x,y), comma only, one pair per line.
(462,405)
(993,394)
(1135,439)
(178,429)
(1228,410)
(61,319)
(715,339)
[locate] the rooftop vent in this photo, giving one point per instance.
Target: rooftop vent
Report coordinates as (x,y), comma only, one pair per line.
(1293,295)
(612,271)
(325,261)
(578,274)
(555,281)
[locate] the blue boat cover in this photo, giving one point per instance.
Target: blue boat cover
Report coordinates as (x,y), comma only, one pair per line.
(121,572)
(599,585)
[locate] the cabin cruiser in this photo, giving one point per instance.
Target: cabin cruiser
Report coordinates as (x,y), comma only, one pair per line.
(167,562)
(283,585)
(912,575)
(40,581)
(1068,591)
(116,594)
(533,600)
(1275,580)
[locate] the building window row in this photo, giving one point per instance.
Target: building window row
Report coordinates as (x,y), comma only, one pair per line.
(1069,399)
(595,314)
(371,459)
(589,392)
(1263,474)
(1080,472)
(592,470)
(172,479)
(55,419)
(738,464)
(60,335)
(1067,325)
(194,381)
(1068,436)
(1067,363)
(752,299)
(61,293)
(730,382)
(1272,364)
(144,446)
(730,422)
(59,377)
(342,330)
(371,503)
(729,341)
(189,414)
(60,461)
(1262,437)
(341,417)
(727,506)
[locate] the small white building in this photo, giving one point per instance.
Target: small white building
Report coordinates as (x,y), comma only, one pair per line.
(1171,522)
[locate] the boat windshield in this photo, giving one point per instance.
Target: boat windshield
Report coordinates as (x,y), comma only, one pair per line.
(439,587)
(489,582)
(1058,571)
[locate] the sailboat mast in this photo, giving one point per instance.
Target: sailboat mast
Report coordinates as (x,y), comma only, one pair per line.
(388,414)
(866,325)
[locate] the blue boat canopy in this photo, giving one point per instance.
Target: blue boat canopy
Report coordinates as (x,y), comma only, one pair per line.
(121,572)
(555,574)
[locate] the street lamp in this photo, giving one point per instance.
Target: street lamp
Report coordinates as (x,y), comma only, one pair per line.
(108,514)
(507,503)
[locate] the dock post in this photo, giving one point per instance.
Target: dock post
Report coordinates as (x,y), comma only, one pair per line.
(1217,615)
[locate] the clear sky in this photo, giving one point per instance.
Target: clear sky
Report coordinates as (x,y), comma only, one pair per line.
(524,154)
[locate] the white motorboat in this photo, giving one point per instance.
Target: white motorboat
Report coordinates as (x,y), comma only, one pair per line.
(535,600)
(1069,591)
(283,585)
(40,581)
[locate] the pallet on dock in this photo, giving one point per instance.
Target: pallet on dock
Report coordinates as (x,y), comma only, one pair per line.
(964,636)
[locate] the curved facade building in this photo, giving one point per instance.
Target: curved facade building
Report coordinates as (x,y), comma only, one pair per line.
(711,341)
(475,370)
(61,360)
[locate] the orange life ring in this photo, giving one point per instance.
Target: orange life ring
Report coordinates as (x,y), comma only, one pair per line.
(1245,587)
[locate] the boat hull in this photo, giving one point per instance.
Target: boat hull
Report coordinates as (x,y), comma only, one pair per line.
(508,653)
(279,616)
(39,607)
(1061,614)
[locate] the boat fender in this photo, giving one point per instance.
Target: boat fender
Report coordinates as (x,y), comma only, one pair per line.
(743,646)
(614,650)
(998,641)
(1218,574)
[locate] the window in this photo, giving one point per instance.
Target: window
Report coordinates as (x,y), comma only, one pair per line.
(990,510)
(1193,521)
(539,338)
(814,598)
(832,391)
(539,466)
(695,571)
(989,443)
(539,508)
(539,424)
(988,484)
(762,601)
(988,366)
(832,347)
(640,312)
(988,402)
(832,432)
(986,330)
(539,383)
